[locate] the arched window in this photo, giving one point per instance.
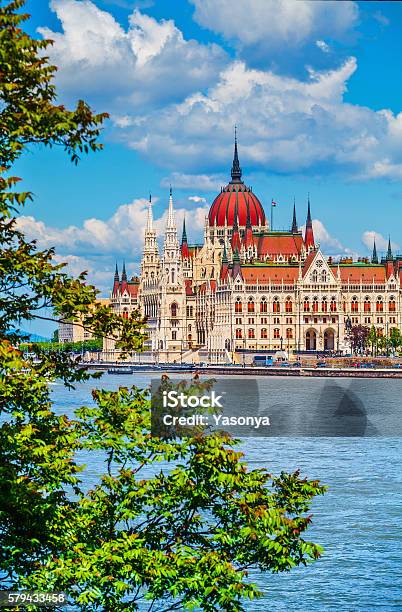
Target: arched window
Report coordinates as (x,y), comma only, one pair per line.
(239,334)
(250,305)
(263,305)
(324,276)
(289,333)
(315,304)
(391,304)
(314,276)
(276,307)
(173,309)
(276,332)
(324,304)
(264,333)
(355,304)
(306,305)
(379,305)
(125,314)
(238,305)
(333,304)
(251,333)
(288,305)
(367,304)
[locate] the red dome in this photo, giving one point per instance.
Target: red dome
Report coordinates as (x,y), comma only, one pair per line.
(236,197)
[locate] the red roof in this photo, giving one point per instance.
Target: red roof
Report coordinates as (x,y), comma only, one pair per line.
(275,244)
(273,274)
(364,274)
(236,198)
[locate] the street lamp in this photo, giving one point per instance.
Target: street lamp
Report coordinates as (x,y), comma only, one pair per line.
(281,343)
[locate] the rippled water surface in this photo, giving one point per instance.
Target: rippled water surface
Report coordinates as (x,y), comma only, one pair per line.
(358,521)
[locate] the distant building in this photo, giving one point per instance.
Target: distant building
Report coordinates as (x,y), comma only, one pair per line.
(250,288)
(74,331)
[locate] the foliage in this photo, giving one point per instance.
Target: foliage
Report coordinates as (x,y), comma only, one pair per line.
(65,347)
(358,337)
(181,536)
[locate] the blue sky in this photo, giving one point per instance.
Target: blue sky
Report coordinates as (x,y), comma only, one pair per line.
(314,88)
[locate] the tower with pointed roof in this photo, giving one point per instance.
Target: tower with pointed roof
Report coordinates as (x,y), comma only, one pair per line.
(294,229)
(309,234)
(374,257)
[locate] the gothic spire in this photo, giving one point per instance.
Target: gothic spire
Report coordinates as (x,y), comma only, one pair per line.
(309,234)
(170,222)
(149,215)
(185,253)
(236,170)
(389,252)
(124,274)
(294,229)
(374,257)
(116,273)
(184,233)
(225,255)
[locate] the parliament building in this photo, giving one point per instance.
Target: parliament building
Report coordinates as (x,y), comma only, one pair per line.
(249,289)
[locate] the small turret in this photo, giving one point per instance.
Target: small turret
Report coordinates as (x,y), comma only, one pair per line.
(225,264)
(389,256)
(236,268)
(389,260)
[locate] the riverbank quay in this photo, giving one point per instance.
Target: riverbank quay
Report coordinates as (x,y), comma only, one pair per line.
(220,370)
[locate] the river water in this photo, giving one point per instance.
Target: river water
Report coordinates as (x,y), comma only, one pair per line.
(358,521)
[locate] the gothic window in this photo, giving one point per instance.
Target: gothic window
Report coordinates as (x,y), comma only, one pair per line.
(125,314)
(173,309)
(276,307)
(355,304)
(263,305)
(250,305)
(315,304)
(367,304)
(306,305)
(173,277)
(239,334)
(264,333)
(314,276)
(289,333)
(174,335)
(379,304)
(324,276)
(251,333)
(238,305)
(276,332)
(333,304)
(288,305)
(391,304)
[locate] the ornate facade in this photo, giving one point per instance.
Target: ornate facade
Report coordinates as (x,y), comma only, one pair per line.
(249,288)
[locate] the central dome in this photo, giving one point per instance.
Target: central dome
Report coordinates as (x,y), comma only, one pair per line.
(236,201)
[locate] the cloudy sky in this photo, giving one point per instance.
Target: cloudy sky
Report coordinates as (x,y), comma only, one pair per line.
(314,88)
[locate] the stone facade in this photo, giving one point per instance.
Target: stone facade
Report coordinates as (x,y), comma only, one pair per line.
(249,288)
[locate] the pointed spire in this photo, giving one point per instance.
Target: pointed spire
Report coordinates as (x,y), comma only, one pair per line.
(294,229)
(225,264)
(116,273)
(185,253)
(124,274)
(235,241)
(170,222)
(389,252)
(374,257)
(150,218)
(116,282)
(309,234)
(236,268)
(224,255)
(236,170)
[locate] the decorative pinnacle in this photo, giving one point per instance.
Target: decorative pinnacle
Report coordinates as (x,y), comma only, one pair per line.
(225,255)
(124,274)
(236,170)
(116,273)
(184,233)
(309,223)
(294,222)
(374,257)
(149,215)
(389,252)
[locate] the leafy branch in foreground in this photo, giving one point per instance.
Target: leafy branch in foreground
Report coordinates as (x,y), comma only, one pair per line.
(169,524)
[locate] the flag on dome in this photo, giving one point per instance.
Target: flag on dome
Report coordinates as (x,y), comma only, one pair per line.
(273,203)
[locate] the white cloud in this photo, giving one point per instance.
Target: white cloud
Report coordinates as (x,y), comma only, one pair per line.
(196,199)
(203,182)
(100,60)
(96,244)
(369,236)
(274,23)
(329,244)
(321,44)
